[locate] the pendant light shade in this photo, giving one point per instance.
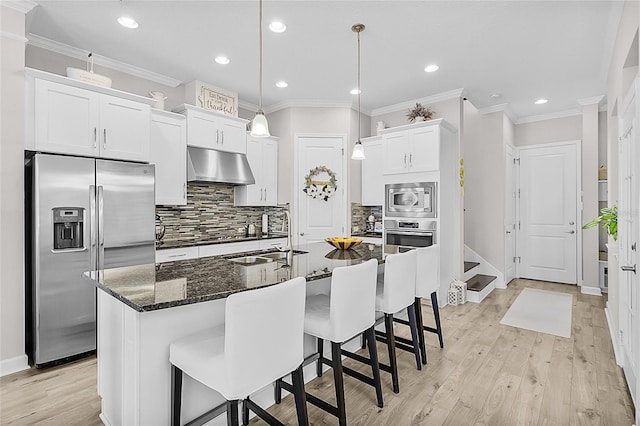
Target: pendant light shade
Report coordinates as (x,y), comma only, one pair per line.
(358,149)
(259,125)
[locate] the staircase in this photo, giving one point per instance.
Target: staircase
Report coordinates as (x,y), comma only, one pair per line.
(478,285)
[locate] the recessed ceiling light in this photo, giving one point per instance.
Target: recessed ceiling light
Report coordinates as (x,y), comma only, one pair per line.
(282,84)
(128,22)
(222,60)
(355,91)
(496,95)
(277,27)
(541,101)
(431,68)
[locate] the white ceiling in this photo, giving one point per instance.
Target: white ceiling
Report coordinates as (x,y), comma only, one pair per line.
(524,50)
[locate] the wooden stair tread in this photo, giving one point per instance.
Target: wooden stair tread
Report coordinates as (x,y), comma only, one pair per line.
(479,282)
(470,265)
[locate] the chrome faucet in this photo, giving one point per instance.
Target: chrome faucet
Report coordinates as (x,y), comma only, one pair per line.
(286,222)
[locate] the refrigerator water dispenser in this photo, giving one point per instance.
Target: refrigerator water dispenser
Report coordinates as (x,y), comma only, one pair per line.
(68,229)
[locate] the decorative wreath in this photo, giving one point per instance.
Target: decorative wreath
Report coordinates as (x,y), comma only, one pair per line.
(318,188)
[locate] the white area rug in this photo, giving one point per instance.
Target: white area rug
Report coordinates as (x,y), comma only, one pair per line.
(541,310)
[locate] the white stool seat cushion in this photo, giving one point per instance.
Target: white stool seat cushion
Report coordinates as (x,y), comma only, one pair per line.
(201,356)
(316,316)
(261,341)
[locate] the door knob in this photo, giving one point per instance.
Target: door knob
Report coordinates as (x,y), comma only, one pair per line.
(633,246)
(570,232)
(629,268)
(302,234)
(508,232)
(572,222)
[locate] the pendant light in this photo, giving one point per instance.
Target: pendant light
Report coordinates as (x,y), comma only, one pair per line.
(259,125)
(358,149)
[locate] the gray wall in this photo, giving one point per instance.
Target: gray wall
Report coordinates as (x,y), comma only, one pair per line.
(547,131)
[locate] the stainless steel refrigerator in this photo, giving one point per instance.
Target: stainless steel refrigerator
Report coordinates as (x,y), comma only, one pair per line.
(83,214)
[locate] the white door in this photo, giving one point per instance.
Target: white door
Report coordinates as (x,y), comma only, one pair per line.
(318,218)
(510,215)
(627,241)
(547,239)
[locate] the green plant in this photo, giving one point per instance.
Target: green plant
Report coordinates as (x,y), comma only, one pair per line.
(608,219)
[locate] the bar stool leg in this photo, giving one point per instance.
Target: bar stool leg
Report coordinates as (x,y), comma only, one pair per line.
(411,311)
(176,395)
(232,413)
(277,392)
(321,353)
(245,413)
(336,361)
(436,314)
(391,347)
(373,356)
(423,347)
(300,396)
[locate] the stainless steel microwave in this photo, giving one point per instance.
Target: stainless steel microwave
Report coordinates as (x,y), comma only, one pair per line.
(416,199)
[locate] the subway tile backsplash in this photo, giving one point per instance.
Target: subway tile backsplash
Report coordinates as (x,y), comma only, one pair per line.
(210,214)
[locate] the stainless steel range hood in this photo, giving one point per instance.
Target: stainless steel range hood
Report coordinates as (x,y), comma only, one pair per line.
(208,165)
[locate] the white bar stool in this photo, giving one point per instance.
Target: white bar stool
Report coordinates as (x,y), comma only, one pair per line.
(427,285)
(394,293)
(338,317)
(268,322)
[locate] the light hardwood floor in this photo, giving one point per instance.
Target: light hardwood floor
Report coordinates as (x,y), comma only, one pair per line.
(487,374)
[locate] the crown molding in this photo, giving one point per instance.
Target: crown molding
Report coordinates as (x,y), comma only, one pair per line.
(248,106)
(12,36)
(604,107)
(551,116)
(458,93)
(594,100)
(23,6)
(505,108)
(307,103)
(74,52)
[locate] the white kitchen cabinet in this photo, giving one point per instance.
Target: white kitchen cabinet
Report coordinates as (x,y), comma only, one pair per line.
(262,154)
(214,130)
(372,177)
(411,149)
(72,119)
(168,153)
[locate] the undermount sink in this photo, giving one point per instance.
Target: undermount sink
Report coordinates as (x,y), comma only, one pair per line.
(251,260)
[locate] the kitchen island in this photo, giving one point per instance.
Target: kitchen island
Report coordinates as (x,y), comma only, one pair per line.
(142,309)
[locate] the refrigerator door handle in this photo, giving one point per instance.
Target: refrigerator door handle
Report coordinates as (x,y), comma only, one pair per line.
(92,229)
(100,229)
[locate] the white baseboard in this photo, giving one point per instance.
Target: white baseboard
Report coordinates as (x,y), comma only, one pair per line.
(13,365)
(593,291)
(615,341)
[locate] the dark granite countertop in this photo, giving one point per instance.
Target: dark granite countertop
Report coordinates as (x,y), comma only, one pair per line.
(170,244)
(151,287)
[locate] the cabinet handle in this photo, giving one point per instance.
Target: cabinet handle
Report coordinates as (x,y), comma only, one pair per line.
(410,157)
(184,190)
(95,137)
(629,268)
(217,137)
(172,256)
(265,194)
(222,132)
(405,160)
(104,141)
(261,195)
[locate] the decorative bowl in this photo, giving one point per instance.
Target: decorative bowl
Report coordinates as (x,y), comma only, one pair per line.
(88,77)
(343,243)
